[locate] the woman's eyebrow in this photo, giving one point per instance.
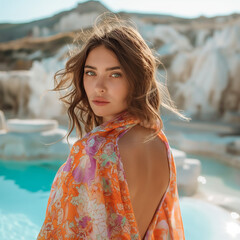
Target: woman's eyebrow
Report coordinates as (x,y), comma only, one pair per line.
(113,68)
(107,69)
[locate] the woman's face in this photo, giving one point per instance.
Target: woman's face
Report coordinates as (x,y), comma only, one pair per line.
(105,83)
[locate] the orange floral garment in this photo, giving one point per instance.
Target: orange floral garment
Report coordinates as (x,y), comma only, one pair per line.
(90,199)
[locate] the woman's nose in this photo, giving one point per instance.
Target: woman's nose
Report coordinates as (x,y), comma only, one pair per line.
(100,86)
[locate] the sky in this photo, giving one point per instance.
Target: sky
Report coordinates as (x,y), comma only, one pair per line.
(17,11)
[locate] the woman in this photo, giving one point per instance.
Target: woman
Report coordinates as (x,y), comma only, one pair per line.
(119,181)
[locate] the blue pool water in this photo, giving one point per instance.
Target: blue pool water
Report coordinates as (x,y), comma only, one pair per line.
(25,186)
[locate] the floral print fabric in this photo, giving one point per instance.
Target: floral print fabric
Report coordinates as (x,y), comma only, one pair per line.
(89,198)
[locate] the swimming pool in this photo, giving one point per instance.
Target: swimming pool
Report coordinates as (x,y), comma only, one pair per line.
(25,186)
(219,184)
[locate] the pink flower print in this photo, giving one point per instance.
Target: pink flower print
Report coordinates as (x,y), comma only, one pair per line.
(94,144)
(117,220)
(87,174)
(109,148)
(116,224)
(67,166)
(85,171)
(84,221)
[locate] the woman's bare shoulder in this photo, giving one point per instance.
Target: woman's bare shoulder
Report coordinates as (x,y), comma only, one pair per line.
(151,154)
(133,143)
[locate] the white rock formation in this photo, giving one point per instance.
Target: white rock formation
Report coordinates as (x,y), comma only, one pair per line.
(33,139)
(188,171)
(42,102)
(202,36)
(75,21)
(15,90)
(3,125)
(203,75)
(203,91)
(173,40)
(205,139)
(27,92)
(206,79)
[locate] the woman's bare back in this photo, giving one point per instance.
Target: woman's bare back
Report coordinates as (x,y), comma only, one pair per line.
(147,173)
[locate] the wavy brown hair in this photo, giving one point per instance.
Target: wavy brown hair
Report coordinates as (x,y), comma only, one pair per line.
(138,62)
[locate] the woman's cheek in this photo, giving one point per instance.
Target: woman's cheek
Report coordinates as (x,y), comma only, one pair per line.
(87,86)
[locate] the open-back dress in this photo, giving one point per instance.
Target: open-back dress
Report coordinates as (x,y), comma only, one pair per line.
(90,198)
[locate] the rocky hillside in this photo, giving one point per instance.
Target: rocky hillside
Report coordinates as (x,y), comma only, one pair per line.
(202,57)
(48,26)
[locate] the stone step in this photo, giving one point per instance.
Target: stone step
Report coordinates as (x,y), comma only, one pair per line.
(204,126)
(31,125)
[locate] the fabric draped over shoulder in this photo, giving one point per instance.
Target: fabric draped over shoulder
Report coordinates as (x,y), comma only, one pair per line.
(90,199)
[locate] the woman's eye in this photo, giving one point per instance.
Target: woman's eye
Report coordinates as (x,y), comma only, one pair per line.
(89,73)
(116,75)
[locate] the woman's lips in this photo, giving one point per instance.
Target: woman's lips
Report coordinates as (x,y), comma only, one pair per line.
(100,103)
